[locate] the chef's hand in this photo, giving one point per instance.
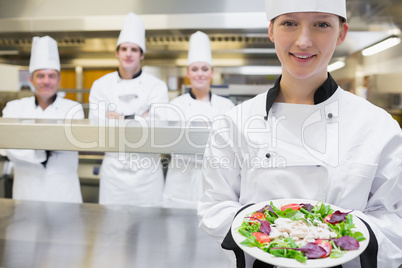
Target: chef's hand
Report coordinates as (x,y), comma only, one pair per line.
(114,115)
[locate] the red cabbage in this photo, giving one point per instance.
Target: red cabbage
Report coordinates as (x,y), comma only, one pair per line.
(338,216)
(265,227)
(311,250)
(307,206)
(262,210)
(269,208)
(346,243)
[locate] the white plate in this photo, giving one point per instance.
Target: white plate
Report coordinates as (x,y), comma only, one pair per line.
(285,262)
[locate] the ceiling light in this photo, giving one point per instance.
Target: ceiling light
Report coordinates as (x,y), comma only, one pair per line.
(383,45)
(335,66)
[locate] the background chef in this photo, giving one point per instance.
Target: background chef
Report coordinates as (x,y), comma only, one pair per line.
(38,174)
(334,147)
(128,93)
(184,177)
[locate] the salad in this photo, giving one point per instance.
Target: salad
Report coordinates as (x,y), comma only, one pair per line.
(301,231)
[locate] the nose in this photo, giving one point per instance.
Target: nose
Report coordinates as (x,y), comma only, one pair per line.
(199,72)
(304,38)
(46,79)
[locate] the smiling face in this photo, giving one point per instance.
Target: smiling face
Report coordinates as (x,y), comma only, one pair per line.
(200,75)
(129,56)
(306,41)
(46,83)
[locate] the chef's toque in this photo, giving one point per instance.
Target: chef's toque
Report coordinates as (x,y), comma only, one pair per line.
(199,49)
(44,54)
(133,31)
(275,8)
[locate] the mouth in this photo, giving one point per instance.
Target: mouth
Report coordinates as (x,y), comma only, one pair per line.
(303,56)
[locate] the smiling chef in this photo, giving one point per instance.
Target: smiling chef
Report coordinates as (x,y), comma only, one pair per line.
(183,186)
(38,174)
(307,138)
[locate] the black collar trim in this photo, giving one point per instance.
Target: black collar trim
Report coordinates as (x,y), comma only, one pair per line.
(323,93)
(193,96)
(53,99)
(134,76)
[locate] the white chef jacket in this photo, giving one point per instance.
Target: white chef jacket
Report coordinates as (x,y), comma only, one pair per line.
(58,181)
(343,151)
(131,179)
(183,187)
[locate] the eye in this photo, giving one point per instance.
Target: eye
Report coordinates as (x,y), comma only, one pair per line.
(288,23)
(322,24)
(194,69)
(205,69)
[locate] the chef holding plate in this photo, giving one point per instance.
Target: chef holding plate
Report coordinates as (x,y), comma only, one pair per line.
(307,138)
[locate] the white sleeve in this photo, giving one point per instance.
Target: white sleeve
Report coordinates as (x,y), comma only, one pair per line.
(384,209)
(80,112)
(166,112)
(159,93)
(10,111)
(20,155)
(157,101)
(221,181)
(75,112)
(26,156)
(97,103)
(230,104)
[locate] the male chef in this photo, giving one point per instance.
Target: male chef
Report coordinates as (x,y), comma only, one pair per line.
(128,93)
(38,174)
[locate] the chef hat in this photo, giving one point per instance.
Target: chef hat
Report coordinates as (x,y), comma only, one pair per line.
(199,49)
(133,31)
(275,8)
(44,54)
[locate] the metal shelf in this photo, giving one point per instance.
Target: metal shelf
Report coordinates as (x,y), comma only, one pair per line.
(139,136)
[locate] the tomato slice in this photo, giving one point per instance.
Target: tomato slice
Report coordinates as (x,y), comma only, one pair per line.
(325,245)
(327,218)
(293,206)
(262,238)
(257,215)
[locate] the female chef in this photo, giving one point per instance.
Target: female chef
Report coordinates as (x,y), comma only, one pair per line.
(183,186)
(128,179)
(38,174)
(307,138)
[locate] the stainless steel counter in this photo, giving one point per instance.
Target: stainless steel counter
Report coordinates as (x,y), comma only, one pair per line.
(41,234)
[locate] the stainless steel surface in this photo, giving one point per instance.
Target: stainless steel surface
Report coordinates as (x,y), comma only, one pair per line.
(117,136)
(41,234)
(87,35)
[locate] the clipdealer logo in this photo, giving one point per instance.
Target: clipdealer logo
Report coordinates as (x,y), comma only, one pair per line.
(224,131)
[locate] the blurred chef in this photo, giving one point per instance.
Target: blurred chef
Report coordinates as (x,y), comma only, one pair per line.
(38,174)
(184,177)
(307,138)
(132,179)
